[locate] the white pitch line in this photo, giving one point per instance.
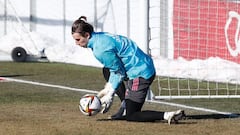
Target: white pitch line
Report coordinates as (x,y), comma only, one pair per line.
(48,85)
(195,108)
(92,91)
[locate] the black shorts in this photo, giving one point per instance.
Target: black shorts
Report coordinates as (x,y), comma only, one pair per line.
(137,89)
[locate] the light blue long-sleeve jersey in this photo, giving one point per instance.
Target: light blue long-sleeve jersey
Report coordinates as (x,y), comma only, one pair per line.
(122,56)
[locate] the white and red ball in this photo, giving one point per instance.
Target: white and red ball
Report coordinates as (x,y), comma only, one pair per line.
(90,105)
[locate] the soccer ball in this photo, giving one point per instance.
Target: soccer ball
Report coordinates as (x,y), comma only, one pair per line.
(89,105)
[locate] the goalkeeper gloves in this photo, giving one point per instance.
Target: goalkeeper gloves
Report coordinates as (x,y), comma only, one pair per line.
(106,96)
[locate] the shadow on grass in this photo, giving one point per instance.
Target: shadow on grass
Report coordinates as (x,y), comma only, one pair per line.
(196,117)
(213,116)
(15,75)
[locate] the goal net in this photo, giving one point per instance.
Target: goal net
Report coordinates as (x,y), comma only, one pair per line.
(13,33)
(205,55)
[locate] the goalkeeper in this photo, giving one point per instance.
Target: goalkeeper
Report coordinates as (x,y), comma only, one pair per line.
(124,59)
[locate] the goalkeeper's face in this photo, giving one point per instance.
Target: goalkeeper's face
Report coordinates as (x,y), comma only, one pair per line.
(81,40)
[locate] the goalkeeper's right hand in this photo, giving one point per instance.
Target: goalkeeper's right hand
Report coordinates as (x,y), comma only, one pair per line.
(107,88)
(106,96)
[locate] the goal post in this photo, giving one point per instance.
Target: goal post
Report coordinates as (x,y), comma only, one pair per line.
(205,40)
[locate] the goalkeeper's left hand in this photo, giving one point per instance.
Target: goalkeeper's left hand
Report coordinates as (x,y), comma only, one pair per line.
(106,96)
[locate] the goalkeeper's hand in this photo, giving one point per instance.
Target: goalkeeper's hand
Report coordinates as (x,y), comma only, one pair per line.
(106,96)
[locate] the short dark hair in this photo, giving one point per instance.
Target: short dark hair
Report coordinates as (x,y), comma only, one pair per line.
(81,26)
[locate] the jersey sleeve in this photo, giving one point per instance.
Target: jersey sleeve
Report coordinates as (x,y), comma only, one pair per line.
(106,53)
(113,62)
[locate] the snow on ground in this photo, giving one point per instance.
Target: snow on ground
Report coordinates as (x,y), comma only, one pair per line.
(211,69)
